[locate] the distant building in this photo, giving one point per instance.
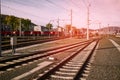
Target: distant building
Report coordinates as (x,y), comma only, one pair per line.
(40,28)
(110,30)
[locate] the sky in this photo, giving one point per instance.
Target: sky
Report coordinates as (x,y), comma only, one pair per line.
(42,12)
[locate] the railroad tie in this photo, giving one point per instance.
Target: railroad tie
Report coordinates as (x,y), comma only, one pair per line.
(68,70)
(61,77)
(64,73)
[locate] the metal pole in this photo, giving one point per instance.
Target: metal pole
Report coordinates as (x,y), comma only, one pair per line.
(0,34)
(71,23)
(88,21)
(20,28)
(71,17)
(58,22)
(58,26)
(13,42)
(108,31)
(49,27)
(0,39)
(13,49)
(99,28)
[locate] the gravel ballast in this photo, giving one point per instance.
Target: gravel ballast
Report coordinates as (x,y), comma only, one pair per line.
(106,65)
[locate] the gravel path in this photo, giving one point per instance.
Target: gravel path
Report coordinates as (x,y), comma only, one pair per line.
(106,65)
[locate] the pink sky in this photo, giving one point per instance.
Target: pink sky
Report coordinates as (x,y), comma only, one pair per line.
(42,11)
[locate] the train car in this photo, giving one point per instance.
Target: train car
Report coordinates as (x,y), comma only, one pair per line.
(5,33)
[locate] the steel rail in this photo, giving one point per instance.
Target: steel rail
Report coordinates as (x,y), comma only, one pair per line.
(52,71)
(37,55)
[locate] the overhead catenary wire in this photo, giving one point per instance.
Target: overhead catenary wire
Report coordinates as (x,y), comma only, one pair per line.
(57,5)
(63,8)
(75,4)
(49,1)
(21,11)
(27,12)
(84,3)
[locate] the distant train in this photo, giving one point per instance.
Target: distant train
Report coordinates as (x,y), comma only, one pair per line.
(43,31)
(28,33)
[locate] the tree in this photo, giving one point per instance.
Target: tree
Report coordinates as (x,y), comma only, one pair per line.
(3,19)
(14,23)
(49,26)
(25,24)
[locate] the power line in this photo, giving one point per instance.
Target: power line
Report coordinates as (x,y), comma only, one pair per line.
(57,5)
(75,4)
(24,12)
(56,20)
(60,7)
(84,3)
(21,11)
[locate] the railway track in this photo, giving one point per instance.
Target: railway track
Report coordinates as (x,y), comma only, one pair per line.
(14,63)
(19,60)
(25,42)
(72,67)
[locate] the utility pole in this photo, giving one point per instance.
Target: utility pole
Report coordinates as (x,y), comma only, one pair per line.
(0,35)
(71,24)
(108,30)
(71,17)
(0,39)
(58,22)
(88,20)
(99,28)
(58,26)
(20,28)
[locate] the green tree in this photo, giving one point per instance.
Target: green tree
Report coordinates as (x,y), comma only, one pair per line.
(8,21)
(49,26)
(16,23)
(13,22)
(25,24)
(2,19)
